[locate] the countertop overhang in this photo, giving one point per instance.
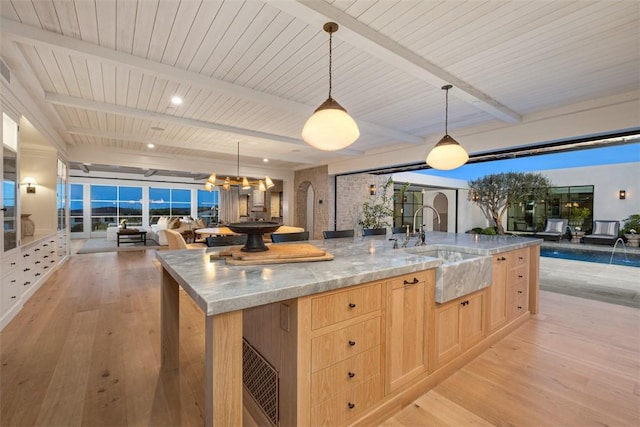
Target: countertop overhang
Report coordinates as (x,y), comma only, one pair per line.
(218,288)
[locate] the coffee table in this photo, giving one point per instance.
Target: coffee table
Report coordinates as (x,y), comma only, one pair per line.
(132,236)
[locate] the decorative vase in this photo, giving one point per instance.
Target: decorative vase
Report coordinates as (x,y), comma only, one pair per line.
(633,240)
(27,226)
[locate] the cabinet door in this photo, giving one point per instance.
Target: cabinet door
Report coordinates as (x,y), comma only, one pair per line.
(448,340)
(497,294)
(472,320)
(407,354)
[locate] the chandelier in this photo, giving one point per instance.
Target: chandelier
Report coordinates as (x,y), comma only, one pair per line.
(243,182)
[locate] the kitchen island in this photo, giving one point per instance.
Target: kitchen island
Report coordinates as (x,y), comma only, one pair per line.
(372,307)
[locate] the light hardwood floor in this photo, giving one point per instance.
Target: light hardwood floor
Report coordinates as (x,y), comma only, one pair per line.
(85,351)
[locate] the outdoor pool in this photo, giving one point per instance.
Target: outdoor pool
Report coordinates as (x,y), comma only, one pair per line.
(630,259)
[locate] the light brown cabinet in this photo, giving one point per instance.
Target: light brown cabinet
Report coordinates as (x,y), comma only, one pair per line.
(459,324)
(346,331)
(508,295)
(409,301)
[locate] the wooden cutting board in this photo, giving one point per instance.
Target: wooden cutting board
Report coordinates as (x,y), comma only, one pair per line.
(285,251)
(233,261)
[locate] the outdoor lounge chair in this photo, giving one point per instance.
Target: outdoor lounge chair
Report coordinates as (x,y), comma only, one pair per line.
(555,229)
(603,233)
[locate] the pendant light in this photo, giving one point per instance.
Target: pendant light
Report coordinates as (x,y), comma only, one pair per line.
(243,182)
(448,153)
(330,128)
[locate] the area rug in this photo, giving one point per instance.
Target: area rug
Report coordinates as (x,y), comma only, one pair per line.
(92,246)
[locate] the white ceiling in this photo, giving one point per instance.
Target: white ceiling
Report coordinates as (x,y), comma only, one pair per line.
(253,71)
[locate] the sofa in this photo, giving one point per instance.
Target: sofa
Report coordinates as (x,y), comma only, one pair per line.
(181,225)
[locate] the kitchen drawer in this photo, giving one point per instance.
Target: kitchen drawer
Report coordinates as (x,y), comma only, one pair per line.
(518,258)
(519,275)
(345,375)
(11,290)
(337,307)
(10,263)
(519,299)
(345,406)
(344,343)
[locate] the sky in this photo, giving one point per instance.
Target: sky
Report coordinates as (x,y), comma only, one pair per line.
(592,157)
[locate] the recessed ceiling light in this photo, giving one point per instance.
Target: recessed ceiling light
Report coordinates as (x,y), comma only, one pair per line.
(265,160)
(158,128)
(151,146)
(176,100)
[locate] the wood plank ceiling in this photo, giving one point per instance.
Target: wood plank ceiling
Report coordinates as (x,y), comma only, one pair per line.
(253,71)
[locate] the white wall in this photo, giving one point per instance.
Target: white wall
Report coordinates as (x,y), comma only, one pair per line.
(607,180)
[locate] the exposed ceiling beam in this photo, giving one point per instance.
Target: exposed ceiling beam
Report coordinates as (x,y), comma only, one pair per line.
(34,36)
(255,150)
(357,34)
(150,172)
(104,107)
(84,168)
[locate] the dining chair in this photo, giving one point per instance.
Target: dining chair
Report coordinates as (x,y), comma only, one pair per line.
(289,237)
(334,234)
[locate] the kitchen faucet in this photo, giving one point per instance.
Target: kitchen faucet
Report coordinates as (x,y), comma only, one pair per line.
(415,215)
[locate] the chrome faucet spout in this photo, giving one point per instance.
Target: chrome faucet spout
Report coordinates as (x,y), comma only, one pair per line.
(421,208)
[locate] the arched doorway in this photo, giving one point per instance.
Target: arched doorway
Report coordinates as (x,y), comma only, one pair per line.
(305,202)
(441,203)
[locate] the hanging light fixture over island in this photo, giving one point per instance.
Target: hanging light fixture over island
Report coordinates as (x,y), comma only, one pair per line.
(330,128)
(448,153)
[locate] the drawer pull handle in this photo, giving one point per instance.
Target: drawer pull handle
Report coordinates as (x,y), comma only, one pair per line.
(27,269)
(519,292)
(521,257)
(351,374)
(13,297)
(25,255)
(352,343)
(13,263)
(36,249)
(13,281)
(520,276)
(351,405)
(352,305)
(413,282)
(37,274)
(26,283)
(502,259)
(465,302)
(519,307)
(37,262)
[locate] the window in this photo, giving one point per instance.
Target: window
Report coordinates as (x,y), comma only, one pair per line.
(561,202)
(111,204)
(208,203)
(168,202)
(76,208)
(405,204)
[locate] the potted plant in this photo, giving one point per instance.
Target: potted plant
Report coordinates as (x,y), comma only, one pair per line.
(630,230)
(577,217)
(376,213)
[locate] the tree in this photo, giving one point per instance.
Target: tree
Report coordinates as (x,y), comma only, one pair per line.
(375,213)
(495,193)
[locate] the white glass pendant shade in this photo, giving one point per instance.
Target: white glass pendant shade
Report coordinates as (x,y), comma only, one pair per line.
(245,183)
(330,128)
(447,154)
(268,182)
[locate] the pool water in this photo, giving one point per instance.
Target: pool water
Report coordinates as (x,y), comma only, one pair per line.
(604,257)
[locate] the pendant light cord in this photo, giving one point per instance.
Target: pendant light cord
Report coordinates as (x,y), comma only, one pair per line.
(330,59)
(238,163)
(446,112)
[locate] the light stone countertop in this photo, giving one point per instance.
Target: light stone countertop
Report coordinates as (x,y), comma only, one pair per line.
(219,288)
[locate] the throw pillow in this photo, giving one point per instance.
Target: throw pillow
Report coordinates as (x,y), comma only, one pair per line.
(200,223)
(162,222)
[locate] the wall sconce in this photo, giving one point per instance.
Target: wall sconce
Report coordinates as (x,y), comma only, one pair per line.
(474,196)
(372,189)
(622,194)
(30,185)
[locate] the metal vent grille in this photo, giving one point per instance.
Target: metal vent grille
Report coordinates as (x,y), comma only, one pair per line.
(260,379)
